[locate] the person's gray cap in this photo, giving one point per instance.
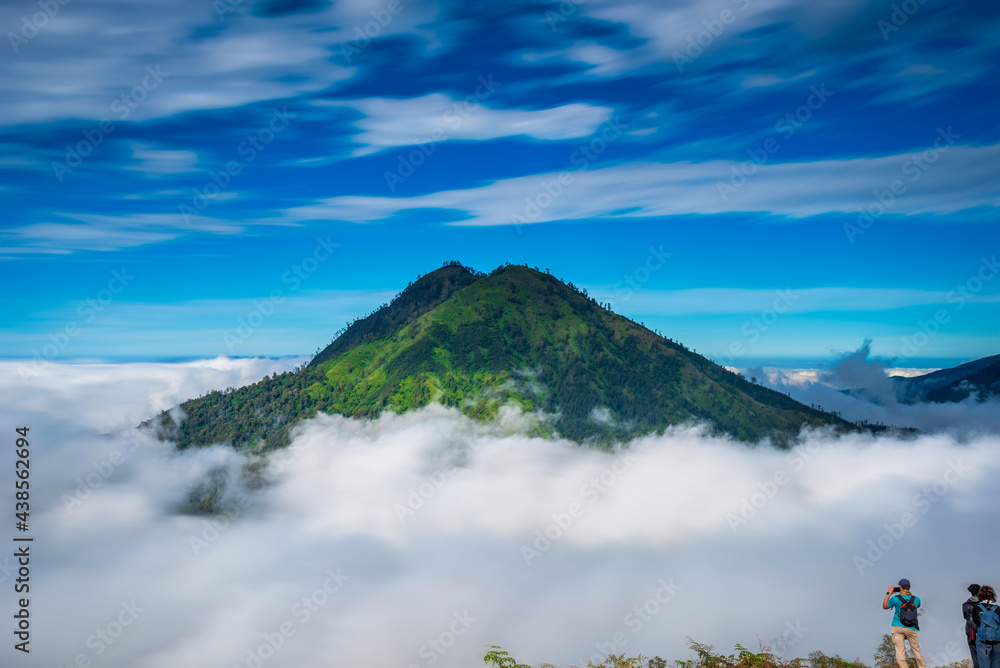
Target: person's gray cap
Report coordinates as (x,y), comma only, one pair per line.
(904,583)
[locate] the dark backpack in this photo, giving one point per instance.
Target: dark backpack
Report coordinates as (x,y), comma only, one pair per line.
(989,624)
(908,613)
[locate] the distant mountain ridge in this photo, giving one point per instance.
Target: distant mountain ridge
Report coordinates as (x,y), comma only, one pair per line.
(478,341)
(980,377)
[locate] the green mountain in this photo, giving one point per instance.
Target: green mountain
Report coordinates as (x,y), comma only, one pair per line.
(478,341)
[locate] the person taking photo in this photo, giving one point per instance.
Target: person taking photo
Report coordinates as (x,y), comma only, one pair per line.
(904,622)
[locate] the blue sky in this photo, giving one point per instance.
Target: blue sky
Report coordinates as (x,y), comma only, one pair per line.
(773,177)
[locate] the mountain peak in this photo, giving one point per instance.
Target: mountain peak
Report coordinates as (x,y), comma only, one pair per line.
(417,298)
(518,336)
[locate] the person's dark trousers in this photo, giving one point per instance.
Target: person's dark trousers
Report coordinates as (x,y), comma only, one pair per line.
(975,653)
(989,655)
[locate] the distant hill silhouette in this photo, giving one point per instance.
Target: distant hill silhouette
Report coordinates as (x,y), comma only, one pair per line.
(980,378)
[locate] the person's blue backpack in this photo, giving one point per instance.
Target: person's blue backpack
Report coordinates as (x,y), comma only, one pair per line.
(989,624)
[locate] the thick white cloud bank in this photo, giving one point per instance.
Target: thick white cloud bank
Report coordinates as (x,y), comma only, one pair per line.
(414,540)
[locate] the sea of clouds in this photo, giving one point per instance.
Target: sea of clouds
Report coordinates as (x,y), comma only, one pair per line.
(422,539)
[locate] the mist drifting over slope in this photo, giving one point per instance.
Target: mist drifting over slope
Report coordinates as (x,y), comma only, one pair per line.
(420,539)
(859,370)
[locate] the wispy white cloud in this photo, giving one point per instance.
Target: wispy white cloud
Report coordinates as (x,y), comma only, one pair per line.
(156,161)
(725,47)
(717,29)
(389,123)
(766,80)
(602,60)
(110,232)
(959,178)
(141,61)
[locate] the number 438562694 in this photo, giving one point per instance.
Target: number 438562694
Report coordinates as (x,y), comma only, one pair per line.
(21,468)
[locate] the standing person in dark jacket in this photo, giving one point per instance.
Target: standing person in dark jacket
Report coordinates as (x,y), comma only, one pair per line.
(970,628)
(986,617)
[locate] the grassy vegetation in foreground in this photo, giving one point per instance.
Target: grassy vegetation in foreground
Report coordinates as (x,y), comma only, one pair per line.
(885,657)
